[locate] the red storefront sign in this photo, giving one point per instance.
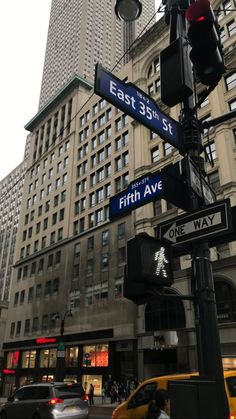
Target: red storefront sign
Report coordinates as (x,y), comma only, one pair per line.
(41,341)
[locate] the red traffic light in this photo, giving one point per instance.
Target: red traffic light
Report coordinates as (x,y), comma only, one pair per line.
(197,10)
(203,36)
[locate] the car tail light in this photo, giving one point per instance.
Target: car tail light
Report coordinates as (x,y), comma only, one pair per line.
(85,397)
(232,416)
(55,400)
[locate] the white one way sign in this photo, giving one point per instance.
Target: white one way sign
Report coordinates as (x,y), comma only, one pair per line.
(212,220)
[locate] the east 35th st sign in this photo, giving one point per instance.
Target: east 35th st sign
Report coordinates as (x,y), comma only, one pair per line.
(212,220)
(137,104)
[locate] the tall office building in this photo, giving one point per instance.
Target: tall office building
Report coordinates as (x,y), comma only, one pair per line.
(82,33)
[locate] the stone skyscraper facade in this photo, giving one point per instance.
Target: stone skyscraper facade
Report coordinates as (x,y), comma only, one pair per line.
(82,33)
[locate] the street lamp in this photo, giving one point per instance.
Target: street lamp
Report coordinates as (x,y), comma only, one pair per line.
(128,10)
(68,313)
(61,353)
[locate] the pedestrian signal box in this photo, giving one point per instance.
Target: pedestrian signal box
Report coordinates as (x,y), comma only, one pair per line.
(148,267)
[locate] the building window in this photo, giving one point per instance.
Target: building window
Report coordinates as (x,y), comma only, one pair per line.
(211,150)
(223,36)
(35,326)
(227,6)
(22,297)
(155,154)
(16,298)
(223,251)
(27,327)
(232,105)
(231,27)
(12,329)
(47,358)
(121,255)
(30,294)
(119,283)
(58,257)
(45,322)
(98,355)
(72,355)
(18,328)
(47,290)
(121,231)
(225,302)
(38,293)
(28,359)
(151,90)
(105,260)
(230,81)
(90,267)
(77,250)
(214,180)
(55,285)
(12,359)
(90,245)
(105,238)
(50,261)
(167,149)
(157,207)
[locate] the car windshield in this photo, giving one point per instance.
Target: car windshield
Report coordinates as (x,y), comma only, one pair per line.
(69,391)
(231,382)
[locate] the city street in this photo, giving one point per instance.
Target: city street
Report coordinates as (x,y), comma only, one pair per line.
(100,412)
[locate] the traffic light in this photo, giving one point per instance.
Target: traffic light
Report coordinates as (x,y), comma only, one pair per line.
(203,35)
(178,87)
(148,267)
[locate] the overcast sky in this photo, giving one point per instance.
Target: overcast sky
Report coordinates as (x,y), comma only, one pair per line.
(23,36)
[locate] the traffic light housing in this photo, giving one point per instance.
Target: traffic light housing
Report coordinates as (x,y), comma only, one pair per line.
(178,87)
(148,267)
(203,35)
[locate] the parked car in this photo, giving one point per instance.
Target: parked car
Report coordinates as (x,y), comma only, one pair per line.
(135,407)
(46,401)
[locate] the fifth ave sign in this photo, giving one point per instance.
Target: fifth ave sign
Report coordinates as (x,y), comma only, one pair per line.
(212,220)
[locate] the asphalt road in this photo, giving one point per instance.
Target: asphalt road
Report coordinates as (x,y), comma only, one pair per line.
(100,412)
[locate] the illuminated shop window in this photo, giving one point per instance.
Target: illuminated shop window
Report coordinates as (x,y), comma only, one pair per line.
(28,359)
(12,359)
(72,356)
(47,358)
(96,354)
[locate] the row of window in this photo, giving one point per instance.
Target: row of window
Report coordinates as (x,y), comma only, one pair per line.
(53,129)
(60,165)
(36,169)
(121,228)
(120,123)
(47,322)
(228,30)
(61,181)
(55,236)
(51,288)
(56,217)
(97,354)
(37,266)
(58,199)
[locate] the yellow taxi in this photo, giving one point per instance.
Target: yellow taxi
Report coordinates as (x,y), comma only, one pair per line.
(135,407)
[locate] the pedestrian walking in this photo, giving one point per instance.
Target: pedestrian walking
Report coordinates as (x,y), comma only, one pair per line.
(91,394)
(103,394)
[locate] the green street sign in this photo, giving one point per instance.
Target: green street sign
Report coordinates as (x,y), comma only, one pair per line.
(61,346)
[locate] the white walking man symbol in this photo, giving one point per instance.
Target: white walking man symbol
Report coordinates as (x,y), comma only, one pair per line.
(161,262)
